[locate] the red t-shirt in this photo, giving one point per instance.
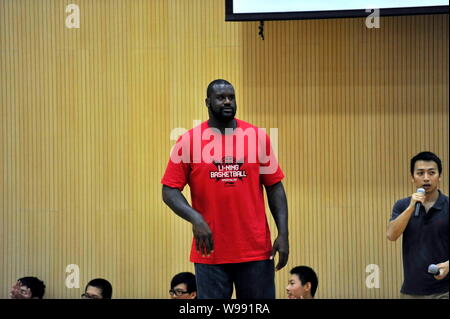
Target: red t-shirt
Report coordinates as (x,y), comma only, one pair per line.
(225,173)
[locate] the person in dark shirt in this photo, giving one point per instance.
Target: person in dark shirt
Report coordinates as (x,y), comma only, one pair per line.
(425,235)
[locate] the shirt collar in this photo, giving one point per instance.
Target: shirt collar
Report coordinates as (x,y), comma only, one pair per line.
(440,201)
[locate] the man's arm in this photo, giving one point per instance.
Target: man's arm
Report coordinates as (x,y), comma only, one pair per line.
(276,197)
(178,203)
(398,225)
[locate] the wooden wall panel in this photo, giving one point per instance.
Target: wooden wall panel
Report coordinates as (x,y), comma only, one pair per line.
(86,117)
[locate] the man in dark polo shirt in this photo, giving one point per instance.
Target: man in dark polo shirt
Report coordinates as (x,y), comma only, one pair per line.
(425,237)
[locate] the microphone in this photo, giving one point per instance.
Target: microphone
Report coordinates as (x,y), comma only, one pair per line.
(433,269)
(416,212)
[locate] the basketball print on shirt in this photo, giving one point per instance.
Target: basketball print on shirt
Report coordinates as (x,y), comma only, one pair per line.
(228,171)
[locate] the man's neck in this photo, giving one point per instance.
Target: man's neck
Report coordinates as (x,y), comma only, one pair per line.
(212,122)
(432,197)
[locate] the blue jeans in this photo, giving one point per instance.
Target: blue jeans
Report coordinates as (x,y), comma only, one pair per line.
(252,280)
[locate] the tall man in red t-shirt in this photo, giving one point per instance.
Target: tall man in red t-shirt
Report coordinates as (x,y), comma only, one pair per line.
(226,163)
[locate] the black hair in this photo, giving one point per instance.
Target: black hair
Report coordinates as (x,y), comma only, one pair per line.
(37,286)
(306,274)
(209,90)
(187,278)
(426,156)
(102,284)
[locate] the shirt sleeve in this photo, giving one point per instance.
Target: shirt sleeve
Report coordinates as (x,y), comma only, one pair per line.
(399,207)
(178,168)
(270,171)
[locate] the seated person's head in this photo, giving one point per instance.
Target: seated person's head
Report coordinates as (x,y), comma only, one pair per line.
(98,289)
(27,288)
(183,286)
(302,284)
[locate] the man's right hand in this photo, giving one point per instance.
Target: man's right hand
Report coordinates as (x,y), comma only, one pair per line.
(202,233)
(203,238)
(16,293)
(417,197)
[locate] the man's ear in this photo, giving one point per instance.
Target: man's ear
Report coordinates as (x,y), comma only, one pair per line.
(307,286)
(207,102)
(193,295)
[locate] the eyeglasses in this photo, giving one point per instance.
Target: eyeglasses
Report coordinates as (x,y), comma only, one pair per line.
(87,296)
(177,292)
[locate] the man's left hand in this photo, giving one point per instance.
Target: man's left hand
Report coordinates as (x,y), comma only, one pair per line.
(443,270)
(281,245)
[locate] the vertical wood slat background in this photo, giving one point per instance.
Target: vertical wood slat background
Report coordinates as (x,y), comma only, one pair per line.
(86,116)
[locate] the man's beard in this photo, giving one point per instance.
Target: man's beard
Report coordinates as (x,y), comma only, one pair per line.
(223,117)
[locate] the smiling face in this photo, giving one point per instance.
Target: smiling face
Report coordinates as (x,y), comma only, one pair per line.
(426,175)
(296,290)
(222,102)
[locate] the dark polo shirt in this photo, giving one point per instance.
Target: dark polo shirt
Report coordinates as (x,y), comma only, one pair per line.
(425,242)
